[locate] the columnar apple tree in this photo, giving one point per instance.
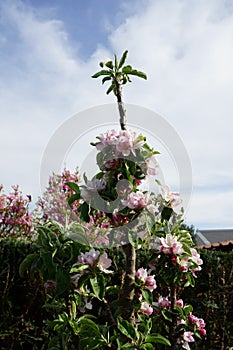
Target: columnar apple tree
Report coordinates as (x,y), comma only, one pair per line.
(115,275)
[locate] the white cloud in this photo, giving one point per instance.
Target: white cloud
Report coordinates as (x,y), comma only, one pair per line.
(43,83)
(215,209)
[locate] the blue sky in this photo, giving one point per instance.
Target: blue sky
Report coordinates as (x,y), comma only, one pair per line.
(88,23)
(49,50)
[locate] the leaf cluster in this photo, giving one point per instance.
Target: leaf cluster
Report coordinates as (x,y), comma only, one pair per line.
(117,73)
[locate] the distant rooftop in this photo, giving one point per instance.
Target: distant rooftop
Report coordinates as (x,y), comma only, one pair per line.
(221,239)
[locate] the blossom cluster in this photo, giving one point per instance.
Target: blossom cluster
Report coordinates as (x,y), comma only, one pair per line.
(170,245)
(170,199)
(116,145)
(123,141)
(127,160)
(93,257)
(187,323)
(136,200)
(53,203)
(148,281)
(15,218)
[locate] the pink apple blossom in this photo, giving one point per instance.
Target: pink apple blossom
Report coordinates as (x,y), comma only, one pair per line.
(15,218)
(54,202)
(200,323)
(89,258)
(150,283)
(136,200)
(124,143)
(146,308)
(104,262)
(167,245)
(164,302)
(188,337)
(152,165)
(172,199)
(142,274)
(107,139)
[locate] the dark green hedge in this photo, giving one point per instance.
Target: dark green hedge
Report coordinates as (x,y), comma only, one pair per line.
(212,299)
(22,318)
(21,314)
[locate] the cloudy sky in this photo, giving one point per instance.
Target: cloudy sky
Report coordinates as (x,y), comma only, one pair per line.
(50,48)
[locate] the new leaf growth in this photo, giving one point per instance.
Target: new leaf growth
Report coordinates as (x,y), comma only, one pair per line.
(118,74)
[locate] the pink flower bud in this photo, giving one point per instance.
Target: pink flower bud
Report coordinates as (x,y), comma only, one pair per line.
(174,259)
(180,303)
(192,318)
(202,331)
(111,164)
(139,295)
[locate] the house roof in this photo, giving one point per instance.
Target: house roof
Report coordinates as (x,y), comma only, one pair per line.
(220,239)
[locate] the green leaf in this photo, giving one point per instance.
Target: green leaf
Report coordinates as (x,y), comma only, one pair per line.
(73,198)
(101,281)
(62,281)
(147,346)
(109,64)
(84,212)
(157,338)
(100,73)
(26,263)
(73,309)
(54,343)
(123,58)
(147,295)
(79,268)
(87,324)
(166,213)
(115,63)
(127,346)
(73,187)
(76,232)
(105,79)
(138,74)
(127,69)
(163,312)
(95,286)
(127,328)
(110,89)
(190,280)
(187,249)
(188,309)
(83,280)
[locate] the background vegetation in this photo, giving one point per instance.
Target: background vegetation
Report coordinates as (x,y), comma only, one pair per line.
(24,321)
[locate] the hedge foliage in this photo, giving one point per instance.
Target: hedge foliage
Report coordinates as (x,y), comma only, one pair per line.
(212,299)
(23,320)
(21,314)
